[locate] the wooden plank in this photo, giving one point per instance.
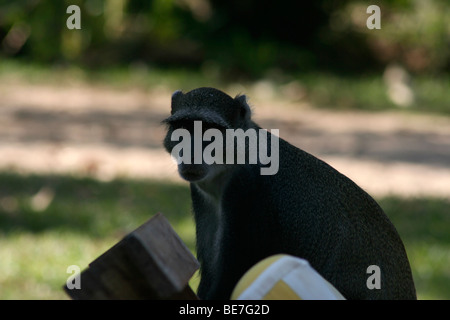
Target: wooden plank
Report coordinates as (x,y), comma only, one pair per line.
(149,263)
(168,251)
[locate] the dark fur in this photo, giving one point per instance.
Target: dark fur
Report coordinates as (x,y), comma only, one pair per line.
(308,209)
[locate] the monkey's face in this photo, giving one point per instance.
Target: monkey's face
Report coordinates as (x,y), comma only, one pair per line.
(185,142)
(196,131)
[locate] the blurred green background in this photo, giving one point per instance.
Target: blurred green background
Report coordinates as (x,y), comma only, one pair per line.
(318,53)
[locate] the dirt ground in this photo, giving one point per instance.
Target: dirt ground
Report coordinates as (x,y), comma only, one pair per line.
(108,133)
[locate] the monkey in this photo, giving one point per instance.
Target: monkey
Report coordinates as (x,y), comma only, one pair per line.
(306,209)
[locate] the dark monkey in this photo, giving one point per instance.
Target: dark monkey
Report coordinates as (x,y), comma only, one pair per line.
(307,209)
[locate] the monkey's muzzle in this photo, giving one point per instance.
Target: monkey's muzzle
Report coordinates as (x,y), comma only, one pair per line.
(192,172)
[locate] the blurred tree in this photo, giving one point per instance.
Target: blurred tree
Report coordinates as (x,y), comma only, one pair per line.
(237,37)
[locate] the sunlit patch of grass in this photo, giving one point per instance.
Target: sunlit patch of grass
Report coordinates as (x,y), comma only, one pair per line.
(86,217)
(424,226)
(34,266)
(369,92)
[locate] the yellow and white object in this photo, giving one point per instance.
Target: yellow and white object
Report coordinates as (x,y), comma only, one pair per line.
(284,277)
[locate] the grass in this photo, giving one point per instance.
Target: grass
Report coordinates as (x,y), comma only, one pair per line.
(322,90)
(368,92)
(135,76)
(424,225)
(85,217)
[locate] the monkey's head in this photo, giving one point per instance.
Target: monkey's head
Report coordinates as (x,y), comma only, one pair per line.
(192,114)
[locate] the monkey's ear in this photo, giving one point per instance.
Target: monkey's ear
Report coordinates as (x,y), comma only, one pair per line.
(245,111)
(176,98)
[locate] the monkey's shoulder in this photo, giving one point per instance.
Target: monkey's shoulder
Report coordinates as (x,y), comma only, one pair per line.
(302,165)
(304,178)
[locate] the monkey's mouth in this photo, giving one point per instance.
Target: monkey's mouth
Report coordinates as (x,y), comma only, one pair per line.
(192,172)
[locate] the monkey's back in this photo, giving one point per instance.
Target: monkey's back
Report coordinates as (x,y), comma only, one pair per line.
(337,227)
